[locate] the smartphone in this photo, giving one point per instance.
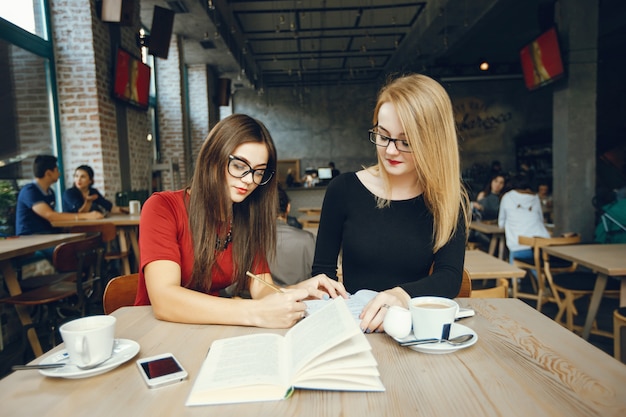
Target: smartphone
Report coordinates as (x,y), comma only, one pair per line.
(161,370)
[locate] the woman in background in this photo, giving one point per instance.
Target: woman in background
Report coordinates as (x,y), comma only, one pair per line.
(520,215)
(82,197)
(395,220)
(199,241)
(488,200)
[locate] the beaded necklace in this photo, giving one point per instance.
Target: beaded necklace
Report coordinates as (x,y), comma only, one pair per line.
(219,246)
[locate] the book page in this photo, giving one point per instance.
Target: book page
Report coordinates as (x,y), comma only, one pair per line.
(355,303)
(319,332)
(244,360)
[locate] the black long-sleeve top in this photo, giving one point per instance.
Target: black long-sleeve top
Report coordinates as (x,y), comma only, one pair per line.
(385,248)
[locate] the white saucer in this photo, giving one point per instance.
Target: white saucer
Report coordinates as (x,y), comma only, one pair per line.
(123,350)
(439,348)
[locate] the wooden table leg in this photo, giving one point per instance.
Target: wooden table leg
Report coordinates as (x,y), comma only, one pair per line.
(10,277)
(121,236)
(598,290)
(622,292)
(134,243)
(501,247)
(492,245)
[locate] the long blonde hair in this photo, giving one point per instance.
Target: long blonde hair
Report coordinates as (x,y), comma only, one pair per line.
(425,112)
(210,205)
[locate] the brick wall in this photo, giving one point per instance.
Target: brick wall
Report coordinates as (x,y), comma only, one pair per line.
(170,110)
(84,53)
(198,108)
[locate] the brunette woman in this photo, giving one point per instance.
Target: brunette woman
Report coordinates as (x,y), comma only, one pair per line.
(198,241)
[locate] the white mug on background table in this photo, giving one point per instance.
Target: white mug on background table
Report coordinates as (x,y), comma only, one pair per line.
(89,340)
(134,207)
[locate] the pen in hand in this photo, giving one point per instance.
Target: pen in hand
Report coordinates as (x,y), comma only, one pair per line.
(269,284)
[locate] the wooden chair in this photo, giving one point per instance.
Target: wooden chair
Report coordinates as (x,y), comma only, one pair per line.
(535,269)
(466,285)
(501,290)
(619,333)
(108,232)
(71,289)
(120,292)
(574,284)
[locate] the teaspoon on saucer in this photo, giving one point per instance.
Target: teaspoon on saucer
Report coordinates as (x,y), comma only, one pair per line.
(38,366)
(458,340)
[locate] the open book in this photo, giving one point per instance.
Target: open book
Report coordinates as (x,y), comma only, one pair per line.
(325,351)
(356,303)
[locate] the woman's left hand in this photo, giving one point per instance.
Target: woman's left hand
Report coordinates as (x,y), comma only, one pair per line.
(320,286)
(374,312)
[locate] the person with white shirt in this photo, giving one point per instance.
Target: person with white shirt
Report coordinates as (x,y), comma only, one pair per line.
(520,215)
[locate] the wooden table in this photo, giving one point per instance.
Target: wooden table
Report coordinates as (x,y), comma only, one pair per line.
(524,364)
(606,260)
(496,233)
(127,232)
(309,220)
(311,210)
(20,246)
(481,265)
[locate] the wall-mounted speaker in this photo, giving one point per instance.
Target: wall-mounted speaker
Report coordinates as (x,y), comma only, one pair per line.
(118,11)
(223,97)
(161,32)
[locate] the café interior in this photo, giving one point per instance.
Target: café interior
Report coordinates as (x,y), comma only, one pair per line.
(310,71)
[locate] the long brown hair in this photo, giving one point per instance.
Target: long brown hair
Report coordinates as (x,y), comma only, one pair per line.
(425,112)
(210,206)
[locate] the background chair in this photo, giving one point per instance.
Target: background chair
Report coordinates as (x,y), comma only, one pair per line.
(619,334)
(108,233)
(535,269)
(501,290)
(466,285)
(120,292)
(574,284)
(69,291)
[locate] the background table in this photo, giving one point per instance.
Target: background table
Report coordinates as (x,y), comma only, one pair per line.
(605,260)
(524,364)
(20,246)
(125,224)
(481,265)
(496,233)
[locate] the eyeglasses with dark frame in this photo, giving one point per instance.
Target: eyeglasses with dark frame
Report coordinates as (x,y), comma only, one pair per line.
(381,140)
(239,168)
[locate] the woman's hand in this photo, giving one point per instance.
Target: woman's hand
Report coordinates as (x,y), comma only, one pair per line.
(279,310)
(374,312)
(92,215)
(320,286)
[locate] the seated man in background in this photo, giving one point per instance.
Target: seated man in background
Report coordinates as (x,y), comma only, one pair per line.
(294,248)
(36,201)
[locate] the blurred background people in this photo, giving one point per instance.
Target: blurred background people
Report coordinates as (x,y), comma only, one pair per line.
(82,197)
(520,215)
(294,247)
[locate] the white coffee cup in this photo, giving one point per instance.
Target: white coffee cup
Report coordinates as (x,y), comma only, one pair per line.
(89,340)
(397,322)
(430,314)
(134,207)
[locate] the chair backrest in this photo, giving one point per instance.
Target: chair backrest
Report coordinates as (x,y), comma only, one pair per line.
(107,231)
(501,290)
(466,285)
(120,292)
(536,243)
(84,257)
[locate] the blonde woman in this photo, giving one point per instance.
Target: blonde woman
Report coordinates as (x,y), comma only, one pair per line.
(393,220)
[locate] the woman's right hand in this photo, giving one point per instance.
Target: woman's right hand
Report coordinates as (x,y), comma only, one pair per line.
(279,310)
(93,215)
